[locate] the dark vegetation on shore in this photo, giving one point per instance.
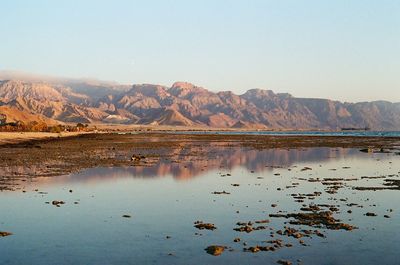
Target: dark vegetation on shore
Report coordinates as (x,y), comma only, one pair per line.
(40,126)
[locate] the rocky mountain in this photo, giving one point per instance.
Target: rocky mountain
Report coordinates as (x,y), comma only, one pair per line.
(184,104)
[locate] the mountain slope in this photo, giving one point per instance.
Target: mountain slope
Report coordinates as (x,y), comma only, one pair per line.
(185,104)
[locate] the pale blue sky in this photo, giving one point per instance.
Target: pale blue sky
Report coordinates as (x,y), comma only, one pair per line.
(339,49)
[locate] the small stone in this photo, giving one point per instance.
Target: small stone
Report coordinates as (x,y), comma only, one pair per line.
(3,234)
(215,250)
(371,214)
(57,203)
(208,226)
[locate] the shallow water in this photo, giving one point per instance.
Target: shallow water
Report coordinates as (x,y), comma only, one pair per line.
(166,199)
(302,133)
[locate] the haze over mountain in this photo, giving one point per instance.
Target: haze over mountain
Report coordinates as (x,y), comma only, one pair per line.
(89,101)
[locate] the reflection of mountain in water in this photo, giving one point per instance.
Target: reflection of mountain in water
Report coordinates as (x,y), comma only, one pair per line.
(183,167)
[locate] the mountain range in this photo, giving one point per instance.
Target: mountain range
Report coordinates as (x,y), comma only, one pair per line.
(184,104)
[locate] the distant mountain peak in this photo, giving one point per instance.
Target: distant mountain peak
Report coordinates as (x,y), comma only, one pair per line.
(259,92)
(183,85)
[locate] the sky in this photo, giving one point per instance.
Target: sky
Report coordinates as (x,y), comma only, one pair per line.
(341,49)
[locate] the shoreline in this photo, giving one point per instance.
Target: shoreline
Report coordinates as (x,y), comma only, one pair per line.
(30,157)
(9,138)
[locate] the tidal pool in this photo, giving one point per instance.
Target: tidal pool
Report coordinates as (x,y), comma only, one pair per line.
(166,199)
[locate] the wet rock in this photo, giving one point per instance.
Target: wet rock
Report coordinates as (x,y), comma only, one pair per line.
(246,228)
(334,209)
(221,192)
(389,184)
(310,208)
(318,233)
(57,203)
(371,214)
(373,177)
(386,216)
(236,240)
(215,250)
(315,219)
(126,216)
(253,249)
(3,234)
(265,221)
(208,226)
(137,158)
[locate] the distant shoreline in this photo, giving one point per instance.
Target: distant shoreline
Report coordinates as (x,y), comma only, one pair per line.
(18,137)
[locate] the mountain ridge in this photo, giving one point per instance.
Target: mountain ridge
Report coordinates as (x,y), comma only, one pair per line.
(185,104)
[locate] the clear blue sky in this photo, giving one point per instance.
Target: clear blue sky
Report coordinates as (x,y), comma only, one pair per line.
(340,49)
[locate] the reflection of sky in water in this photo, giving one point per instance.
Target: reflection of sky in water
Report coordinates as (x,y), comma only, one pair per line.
(93,231)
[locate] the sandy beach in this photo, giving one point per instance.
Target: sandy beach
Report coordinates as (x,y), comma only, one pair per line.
(16,137)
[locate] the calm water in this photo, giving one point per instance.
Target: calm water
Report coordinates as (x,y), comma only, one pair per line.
(302,133)
(166,199)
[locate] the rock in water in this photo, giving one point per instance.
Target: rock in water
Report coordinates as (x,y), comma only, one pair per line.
(3,234)
(57,203)
(208,226)
(215,250)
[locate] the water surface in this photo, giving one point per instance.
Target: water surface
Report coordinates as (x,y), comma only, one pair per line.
(301,133)
(166,199)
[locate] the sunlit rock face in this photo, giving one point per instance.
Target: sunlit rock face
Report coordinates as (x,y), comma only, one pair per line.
(185,104)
